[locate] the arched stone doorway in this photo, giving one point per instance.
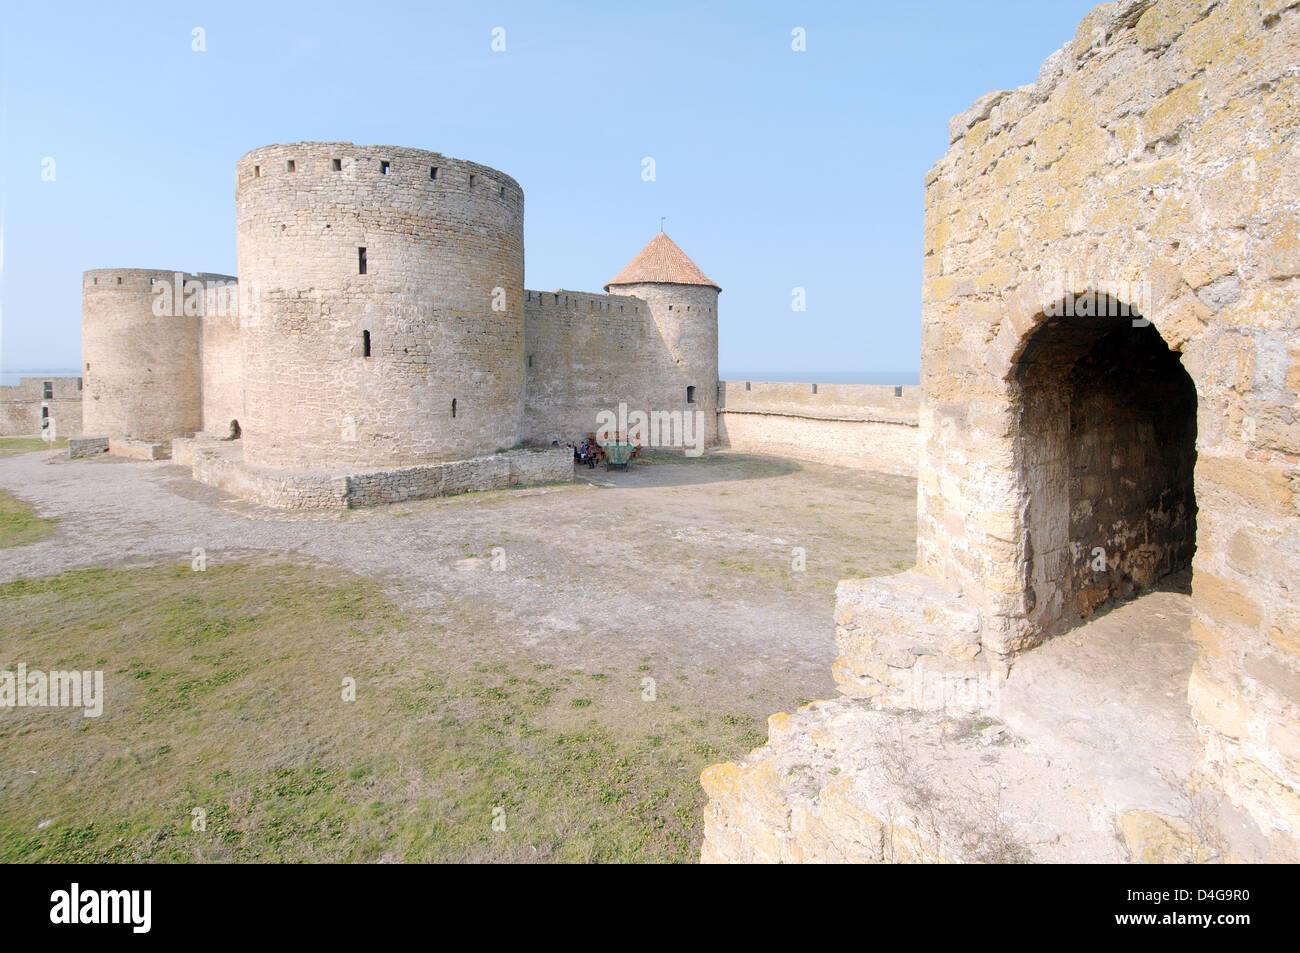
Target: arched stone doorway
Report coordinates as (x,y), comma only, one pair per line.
(1106,448)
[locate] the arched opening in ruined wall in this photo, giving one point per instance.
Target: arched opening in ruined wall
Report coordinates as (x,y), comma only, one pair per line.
(1106,451)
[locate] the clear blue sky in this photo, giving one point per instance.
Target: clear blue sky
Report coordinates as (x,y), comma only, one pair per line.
(775,169)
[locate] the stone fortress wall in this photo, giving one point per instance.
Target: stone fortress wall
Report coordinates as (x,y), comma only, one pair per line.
(583,349)
(1111,305)
(389,326)
(24,407)
(868,426)
(587,353)
(221,362)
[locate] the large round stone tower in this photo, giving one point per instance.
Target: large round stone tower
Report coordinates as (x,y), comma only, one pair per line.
(383,318)
(141,354)
(684,303)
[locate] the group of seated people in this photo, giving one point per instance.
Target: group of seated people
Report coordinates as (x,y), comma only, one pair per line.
(591,452)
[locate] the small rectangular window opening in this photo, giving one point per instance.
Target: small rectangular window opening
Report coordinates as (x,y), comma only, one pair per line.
(433,172)
(453,406)
(49,389)
(336,165)
(365,343)
(530,360)
(257,171)
(503,191)
(291,166)
(747,386)
(898,392)
(690,394)
(384,166)
(814,388)
(361,260)
(472,180)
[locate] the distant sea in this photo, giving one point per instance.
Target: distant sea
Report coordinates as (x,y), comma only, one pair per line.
(823,377)
(10,375)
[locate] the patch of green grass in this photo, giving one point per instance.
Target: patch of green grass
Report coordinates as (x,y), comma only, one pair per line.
(19,524)
(226,694)
(11,445)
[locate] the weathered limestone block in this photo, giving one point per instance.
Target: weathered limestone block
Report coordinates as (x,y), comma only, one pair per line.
(905,641)
(138,449)
(839,782)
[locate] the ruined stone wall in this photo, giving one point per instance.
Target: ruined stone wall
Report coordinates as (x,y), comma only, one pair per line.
(21,406)
(857,425)
(79,447)
(140,369)
(443,242)
(1154,163)
(1154,153)
(1157,158)
(585,354)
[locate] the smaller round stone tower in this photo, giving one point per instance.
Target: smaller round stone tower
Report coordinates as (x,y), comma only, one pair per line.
(684,303)
(141,354)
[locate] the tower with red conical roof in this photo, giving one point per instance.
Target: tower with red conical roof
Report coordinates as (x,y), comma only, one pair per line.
(683,301)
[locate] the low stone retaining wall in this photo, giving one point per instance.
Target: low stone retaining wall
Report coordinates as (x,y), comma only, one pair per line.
(220,464)
(138,449)
(79,447)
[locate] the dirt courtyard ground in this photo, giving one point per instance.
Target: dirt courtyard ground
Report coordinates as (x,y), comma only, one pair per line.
(680,567)
(500,645)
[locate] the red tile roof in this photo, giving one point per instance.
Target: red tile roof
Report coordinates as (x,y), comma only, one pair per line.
(662,262)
